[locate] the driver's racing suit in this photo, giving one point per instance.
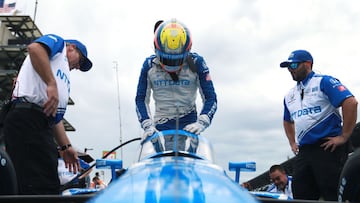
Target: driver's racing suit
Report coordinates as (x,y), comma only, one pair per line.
(174,99)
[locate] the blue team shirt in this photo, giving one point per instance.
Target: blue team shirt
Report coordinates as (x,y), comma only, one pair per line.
(315,112)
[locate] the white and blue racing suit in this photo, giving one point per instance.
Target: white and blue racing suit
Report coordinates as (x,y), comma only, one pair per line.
(313,107)
(174,99)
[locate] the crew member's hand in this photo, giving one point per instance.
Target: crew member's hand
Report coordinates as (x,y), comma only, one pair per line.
(71,160)
(50,106)
(333,142)
(149,128)
(200,125)
(294,148)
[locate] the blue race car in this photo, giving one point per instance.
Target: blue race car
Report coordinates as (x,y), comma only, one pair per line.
(173,166)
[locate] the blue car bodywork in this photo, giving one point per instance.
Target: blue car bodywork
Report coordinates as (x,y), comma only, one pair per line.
(174,166)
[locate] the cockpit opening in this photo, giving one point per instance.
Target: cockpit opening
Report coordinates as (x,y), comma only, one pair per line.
(176,143)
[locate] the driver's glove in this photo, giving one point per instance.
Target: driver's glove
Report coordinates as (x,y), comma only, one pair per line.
(199,126)
(149,128)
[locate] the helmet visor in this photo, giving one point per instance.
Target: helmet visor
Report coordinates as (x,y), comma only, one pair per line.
(171,62)
(171,59)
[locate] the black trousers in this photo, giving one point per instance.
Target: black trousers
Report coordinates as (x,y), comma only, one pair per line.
(317,172)
(29,141)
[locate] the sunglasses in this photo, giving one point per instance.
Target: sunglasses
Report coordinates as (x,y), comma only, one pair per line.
(293,65)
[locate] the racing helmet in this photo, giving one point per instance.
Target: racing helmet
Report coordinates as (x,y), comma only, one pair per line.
(172,44)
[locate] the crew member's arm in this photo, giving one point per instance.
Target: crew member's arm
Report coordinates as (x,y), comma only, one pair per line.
(349,112)
(289,128)
(340,96)
(39,56)
(69,154)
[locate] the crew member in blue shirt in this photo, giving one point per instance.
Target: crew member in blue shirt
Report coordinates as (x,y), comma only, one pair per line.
(316,130)
(281,182)
(40,98)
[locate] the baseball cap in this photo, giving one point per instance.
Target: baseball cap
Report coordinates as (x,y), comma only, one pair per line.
(296,57)
(86,64)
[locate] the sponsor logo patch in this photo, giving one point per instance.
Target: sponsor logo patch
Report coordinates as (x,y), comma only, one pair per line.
(208,78)
(341,88)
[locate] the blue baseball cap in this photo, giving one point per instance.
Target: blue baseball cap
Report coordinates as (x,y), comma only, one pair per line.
(86,64)
(296,57)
